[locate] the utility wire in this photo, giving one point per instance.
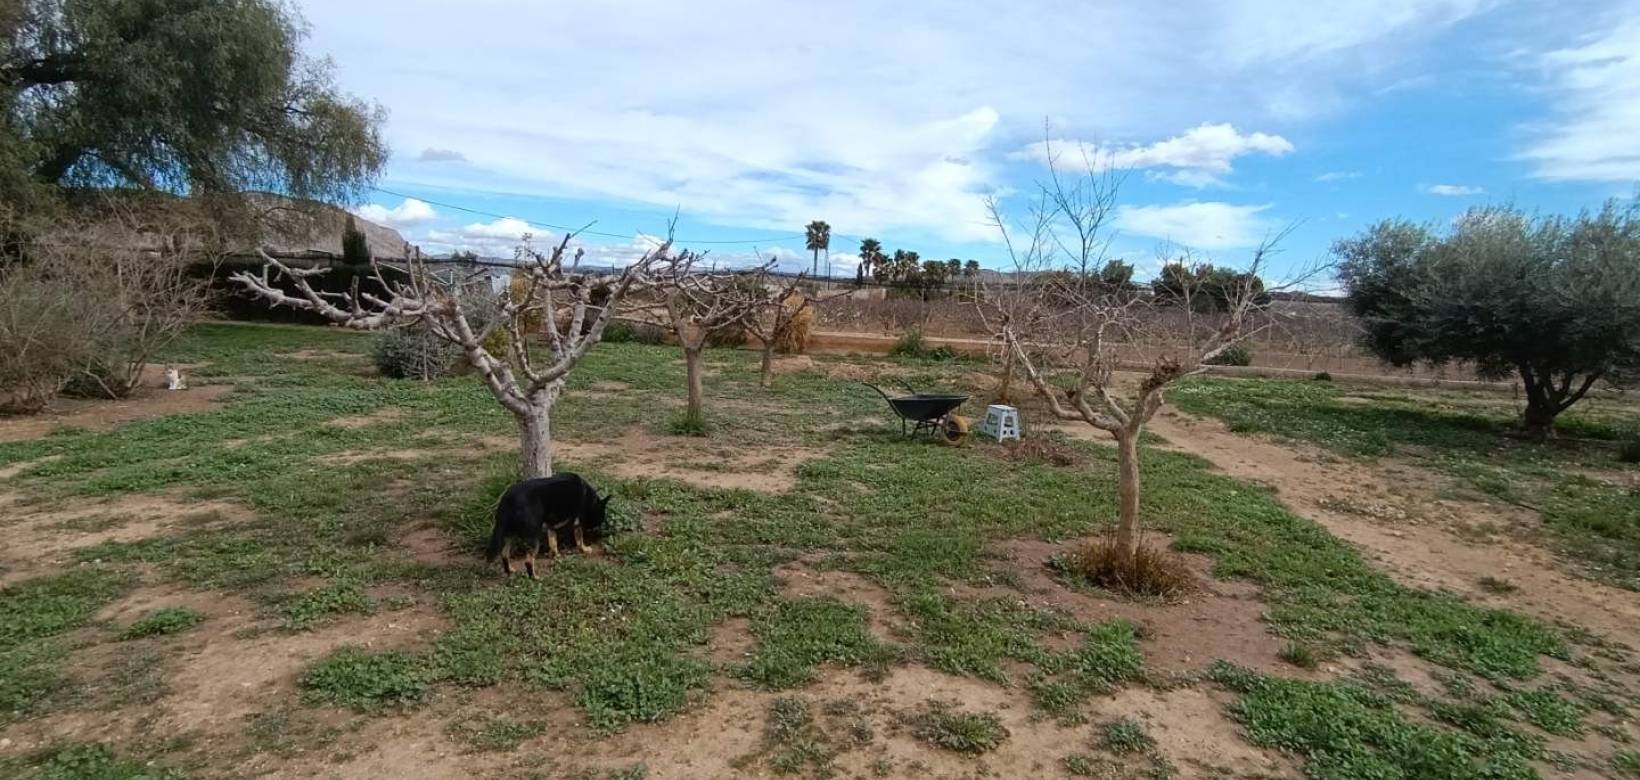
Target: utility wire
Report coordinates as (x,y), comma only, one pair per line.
(578,231)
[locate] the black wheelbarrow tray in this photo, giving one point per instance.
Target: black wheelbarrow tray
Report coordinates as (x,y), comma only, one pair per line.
(928,412)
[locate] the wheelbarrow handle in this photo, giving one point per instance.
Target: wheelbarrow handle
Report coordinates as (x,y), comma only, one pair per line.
(879,392)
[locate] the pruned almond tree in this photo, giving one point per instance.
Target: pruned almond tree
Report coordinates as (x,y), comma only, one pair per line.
(696,303)
(569,308)
(1067,331)
(776,316)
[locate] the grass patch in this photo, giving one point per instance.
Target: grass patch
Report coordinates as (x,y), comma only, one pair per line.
(1300,655)
(91,762)
(1548,711)
(365,681)
(312,607)
(687,424)
(1126,736)
(487,733)
(1347,730)
(47,606)
(1108,657)
(964,732)
(797,635)
(162,622)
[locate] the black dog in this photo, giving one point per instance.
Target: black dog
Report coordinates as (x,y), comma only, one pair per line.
(538,508)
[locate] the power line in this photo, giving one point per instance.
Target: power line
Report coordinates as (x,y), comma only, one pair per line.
(565,229)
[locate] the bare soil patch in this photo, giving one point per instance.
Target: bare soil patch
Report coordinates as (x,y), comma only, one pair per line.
(35,541)
(800,579)
(382,415)
(1400,517)
(1220,621)
(150,399)
(639,454)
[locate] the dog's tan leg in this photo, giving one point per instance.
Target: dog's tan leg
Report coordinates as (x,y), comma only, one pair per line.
(506,557)
(580,541)
(552,543)
(529,560)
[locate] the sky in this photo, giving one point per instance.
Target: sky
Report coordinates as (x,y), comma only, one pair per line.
(1230,121)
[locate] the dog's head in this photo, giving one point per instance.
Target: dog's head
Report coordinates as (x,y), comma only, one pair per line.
(596,515)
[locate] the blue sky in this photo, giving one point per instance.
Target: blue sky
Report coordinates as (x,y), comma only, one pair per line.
(1232,120)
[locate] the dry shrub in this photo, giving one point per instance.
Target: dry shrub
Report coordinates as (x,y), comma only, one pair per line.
(85,302)
(794,338)
(1037,450)
(1150,572)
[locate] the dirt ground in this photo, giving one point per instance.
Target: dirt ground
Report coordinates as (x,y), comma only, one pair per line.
(150,399)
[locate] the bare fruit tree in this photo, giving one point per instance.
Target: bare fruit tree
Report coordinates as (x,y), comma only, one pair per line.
(776,319)
(568,306)
(1067,330)
(696,304)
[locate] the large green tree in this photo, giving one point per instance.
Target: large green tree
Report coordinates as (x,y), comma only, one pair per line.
(1553,300)
(184,96)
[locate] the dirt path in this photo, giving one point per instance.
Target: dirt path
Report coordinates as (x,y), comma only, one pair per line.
(1398,516)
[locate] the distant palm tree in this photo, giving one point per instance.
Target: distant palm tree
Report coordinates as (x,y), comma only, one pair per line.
(871,258)
(819,237)
(970,269)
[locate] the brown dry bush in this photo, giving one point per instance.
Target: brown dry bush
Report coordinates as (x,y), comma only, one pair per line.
(1150,572)
(1037,450)
(793,339)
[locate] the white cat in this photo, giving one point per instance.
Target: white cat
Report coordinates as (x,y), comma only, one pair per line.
(174,380)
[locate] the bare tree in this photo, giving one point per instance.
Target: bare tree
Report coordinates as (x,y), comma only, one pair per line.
(558,296)
(1063,330)
(697,303)
(774,318)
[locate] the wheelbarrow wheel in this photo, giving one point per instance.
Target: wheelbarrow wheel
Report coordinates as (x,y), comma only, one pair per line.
(954,429)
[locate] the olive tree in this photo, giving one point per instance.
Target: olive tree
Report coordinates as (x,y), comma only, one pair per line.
(568,307)
(1552,300)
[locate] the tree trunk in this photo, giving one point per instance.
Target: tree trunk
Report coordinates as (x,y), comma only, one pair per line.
(1127,476)
(691,362)
(765,371)
(1007,379)
(535,443)
(1538,421)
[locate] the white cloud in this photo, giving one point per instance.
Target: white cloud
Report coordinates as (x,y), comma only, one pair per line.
(497,238)
(1197,224)
(1595,135)
(1330,176)
(764,131)
(1198,158)
(407,213)
(1453,190)
(431,154)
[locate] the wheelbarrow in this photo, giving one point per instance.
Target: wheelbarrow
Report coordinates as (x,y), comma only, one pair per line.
(930,412)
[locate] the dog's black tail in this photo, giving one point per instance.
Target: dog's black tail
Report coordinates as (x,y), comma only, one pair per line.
(498,539)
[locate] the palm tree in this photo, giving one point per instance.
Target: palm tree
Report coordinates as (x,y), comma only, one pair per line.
(970,269)
(871,258)
(819,237)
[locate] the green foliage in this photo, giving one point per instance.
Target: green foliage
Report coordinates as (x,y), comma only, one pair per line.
(162,622)
(1548,711)
(363,680)
(1299,655)
(794,740)
(797,635)
(47,606)
(963,732)
(913,345)
(1629,451)
(489,733)
(1546,298)
(334,598)
(623,332)
(1207,288)
(1235,355)
(199,96)
(1322,376)
(1626,763)
(1346,731)
(95,762)
(1126,736)
(1108,657)
(413,352)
